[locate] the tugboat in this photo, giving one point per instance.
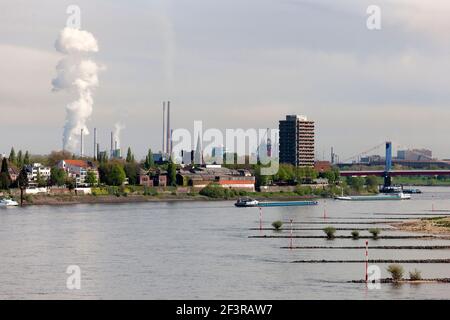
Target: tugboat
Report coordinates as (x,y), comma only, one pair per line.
(8,203)
(398,189)
(246,202)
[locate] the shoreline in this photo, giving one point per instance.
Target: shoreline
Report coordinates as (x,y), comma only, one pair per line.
(72,199)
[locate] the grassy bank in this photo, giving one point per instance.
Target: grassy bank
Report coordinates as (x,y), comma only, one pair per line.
(128,194)
(123,196)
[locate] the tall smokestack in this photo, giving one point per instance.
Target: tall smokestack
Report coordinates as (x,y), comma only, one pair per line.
(81,144)
(168,129)
(164,128)
(170,150)
(112,144)
(95,144)
(332,155)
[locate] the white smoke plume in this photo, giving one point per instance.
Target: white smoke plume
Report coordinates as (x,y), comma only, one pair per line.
(76,72)
(118,127)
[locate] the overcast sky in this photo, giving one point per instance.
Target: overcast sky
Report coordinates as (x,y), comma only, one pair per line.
(235,64)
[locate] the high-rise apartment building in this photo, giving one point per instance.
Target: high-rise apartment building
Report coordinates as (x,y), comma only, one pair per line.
(296,141)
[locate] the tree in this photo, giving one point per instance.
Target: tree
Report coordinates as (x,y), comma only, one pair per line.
(102,157)
(117,175)
(172,173)
(372,183)
(4,175)
(130,157)
(70,183)
(4,166)
(26,158)
(311,174)
(91,178)
(57,176)
(56,156)
(112,173)
(19,159)
(132,171)
(22,182)
(149,162)
(4,181)
(356,183)
(332,175)
(12,156)
(261,180)
(40,180)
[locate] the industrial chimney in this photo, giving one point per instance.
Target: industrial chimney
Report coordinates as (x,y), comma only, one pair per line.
(168,140)
(81,144)
(112,145)
(95,144)
(164,128)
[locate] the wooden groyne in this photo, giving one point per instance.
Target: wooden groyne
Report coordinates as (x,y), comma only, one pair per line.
(376,261)
(372,247)
(344,222)
(320,229)
(350,237)
(390,280)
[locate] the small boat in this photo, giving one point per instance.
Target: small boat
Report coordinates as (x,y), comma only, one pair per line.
(386,196)
(8,203)
(246,202)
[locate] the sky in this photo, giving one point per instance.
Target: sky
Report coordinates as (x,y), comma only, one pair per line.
(234,64)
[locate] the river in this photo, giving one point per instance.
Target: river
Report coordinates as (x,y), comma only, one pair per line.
(202,250)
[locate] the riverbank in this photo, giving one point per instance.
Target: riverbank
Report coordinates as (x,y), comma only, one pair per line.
(437,225)
(71,199)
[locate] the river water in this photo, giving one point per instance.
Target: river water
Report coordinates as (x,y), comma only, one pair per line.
(202,250)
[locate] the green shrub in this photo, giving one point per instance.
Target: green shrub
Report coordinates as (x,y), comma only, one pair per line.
(355,234)
(28,198)
(150,191)
(329,231)
(277,224)
(375,232)
(415,275)
(396,271)
(213,191)
(303,191)
(99,191)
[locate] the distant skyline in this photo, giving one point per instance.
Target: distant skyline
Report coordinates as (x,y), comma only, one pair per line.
(234,64)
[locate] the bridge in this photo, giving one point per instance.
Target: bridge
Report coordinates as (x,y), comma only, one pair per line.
(387,173)
(393,173)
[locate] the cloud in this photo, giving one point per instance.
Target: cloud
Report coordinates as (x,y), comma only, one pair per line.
(72,40)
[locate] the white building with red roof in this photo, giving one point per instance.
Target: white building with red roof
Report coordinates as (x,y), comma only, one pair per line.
(78,169)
